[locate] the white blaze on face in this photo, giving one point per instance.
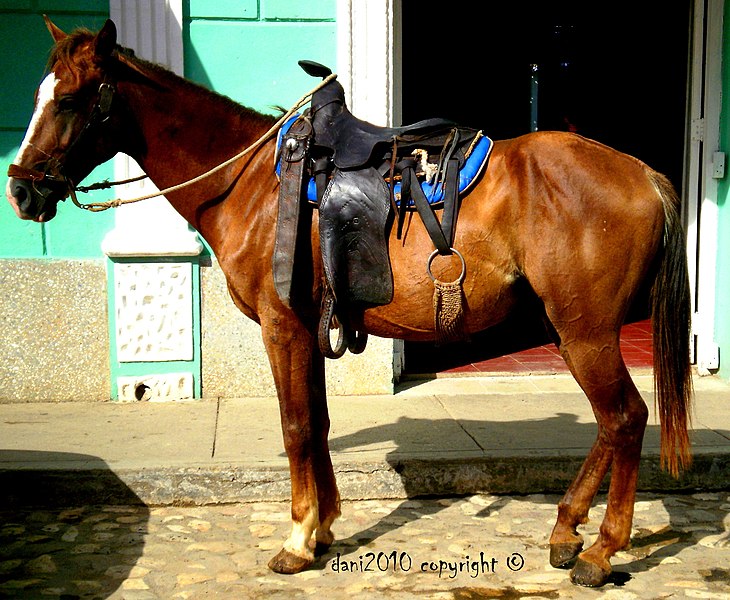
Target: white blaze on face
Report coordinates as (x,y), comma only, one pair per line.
(45,97)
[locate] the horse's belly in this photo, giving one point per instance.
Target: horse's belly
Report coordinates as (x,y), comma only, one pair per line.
(488,297)
(488,269)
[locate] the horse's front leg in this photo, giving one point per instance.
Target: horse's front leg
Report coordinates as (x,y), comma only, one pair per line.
(298,369)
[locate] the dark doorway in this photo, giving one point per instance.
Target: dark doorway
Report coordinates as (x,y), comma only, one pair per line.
(615,72)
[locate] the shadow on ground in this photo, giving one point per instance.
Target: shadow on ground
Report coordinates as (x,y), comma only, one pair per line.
(687,514)
(52,544)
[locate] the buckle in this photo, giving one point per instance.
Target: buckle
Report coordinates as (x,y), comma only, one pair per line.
(106,97)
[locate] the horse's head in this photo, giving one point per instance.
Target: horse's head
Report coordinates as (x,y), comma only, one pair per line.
(76,124)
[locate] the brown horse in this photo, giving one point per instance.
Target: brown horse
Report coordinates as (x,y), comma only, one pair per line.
(572,223)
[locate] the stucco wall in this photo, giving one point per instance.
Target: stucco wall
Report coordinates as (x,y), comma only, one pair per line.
(54,340)
(234,362)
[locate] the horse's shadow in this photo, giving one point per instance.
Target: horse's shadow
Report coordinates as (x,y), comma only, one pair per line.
(648,547)
(53,540)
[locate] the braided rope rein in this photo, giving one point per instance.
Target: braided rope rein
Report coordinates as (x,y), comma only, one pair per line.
(101,206)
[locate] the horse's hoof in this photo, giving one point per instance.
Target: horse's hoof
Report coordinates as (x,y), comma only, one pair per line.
(563,554)
(287,563)
(589,574)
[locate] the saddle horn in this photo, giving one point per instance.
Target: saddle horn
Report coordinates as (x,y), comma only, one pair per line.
(315,69)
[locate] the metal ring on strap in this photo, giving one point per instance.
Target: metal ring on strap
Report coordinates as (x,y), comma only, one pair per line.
(435,253)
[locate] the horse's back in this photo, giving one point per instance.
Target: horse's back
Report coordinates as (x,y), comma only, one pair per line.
(574,174)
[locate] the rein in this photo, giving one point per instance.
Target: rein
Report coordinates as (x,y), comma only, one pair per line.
(101,206)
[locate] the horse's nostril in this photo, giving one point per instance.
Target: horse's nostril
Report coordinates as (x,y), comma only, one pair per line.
(21,193)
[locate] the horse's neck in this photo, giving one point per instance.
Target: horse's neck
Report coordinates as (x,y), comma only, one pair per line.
(188,130)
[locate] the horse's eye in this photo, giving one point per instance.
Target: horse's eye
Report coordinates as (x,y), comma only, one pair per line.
(66,104)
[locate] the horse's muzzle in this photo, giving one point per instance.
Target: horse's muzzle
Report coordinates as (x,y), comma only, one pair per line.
(35,200)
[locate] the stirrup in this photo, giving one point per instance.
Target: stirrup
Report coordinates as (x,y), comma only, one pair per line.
(357,342)
(347,339)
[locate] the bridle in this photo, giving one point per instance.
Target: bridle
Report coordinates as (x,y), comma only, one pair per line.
(54,173)
(100,114)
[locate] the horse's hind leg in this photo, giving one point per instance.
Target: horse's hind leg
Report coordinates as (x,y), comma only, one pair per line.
(565,542)
(621,415)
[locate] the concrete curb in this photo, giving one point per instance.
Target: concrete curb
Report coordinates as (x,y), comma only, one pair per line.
(404,478)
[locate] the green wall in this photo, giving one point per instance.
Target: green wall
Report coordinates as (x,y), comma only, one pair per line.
(248,49)
(24,46)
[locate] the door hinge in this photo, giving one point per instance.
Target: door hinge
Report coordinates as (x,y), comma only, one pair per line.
(697,133)
(718,165)
(708,358)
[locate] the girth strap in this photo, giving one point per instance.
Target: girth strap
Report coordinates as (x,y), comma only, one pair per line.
(451,201)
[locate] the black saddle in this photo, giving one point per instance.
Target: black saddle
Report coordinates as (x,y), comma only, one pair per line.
(355,165)
(353,141)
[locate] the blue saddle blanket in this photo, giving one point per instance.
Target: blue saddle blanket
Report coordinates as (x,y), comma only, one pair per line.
(473,166)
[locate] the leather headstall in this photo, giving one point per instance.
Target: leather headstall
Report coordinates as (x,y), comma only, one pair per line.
(54,172)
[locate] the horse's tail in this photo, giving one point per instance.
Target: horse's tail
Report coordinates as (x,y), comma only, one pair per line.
(671,320)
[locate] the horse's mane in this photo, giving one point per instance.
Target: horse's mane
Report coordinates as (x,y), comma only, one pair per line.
(64,50)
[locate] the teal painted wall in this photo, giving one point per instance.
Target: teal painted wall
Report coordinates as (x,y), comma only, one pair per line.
(722,303)
(248,49)
(24,46)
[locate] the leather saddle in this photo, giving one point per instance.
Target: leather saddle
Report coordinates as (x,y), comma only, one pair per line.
(364,176)
(353,141)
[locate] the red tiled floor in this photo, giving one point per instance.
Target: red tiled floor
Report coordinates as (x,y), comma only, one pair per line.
(636,344)
(636,348)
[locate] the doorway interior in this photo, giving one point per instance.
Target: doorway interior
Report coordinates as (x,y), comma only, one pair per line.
(615,72)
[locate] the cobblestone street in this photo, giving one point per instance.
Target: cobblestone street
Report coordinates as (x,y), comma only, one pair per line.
(456,548)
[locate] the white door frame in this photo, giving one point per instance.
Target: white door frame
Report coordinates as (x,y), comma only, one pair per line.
(702,173)
(368,67)
(368,58)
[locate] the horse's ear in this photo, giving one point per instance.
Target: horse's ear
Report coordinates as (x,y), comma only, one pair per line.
(55,32)
(106,39)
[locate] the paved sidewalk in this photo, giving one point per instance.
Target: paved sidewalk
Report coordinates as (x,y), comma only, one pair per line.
(448,436)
